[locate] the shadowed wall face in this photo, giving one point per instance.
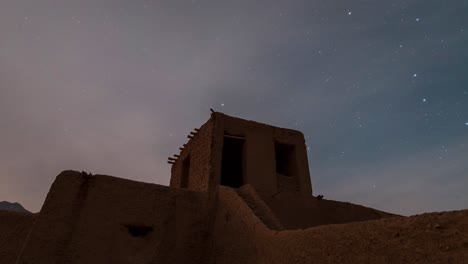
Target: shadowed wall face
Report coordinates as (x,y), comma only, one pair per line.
(275,159)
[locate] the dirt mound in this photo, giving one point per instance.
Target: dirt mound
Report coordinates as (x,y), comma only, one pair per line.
(427,238)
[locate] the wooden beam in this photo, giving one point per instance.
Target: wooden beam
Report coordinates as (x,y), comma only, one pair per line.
(175,155)
(193,133)
(170,158)
(190,136)
(229,136)
(197,129)
(170,162)
(181,148)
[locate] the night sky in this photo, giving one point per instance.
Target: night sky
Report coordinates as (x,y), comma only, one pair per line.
(379,88)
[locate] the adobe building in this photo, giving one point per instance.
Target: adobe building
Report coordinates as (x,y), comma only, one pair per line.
(232,152)
(240,192)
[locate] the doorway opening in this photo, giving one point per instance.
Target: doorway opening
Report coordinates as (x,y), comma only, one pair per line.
(232,165)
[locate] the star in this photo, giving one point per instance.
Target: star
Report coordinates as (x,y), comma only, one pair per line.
(424,100)
(415,75)
(466,123)
(417,19)
(350,13)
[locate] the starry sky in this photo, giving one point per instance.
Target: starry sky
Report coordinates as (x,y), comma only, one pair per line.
(379,88)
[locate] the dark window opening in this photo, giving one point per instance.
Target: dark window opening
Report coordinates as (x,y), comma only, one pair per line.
(285,159)
(139,230)
(185,172)
(232,161)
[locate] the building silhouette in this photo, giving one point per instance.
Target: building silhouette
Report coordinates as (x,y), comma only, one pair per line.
(240,192)
(232,152)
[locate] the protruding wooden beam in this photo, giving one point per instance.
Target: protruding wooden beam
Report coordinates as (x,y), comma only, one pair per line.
(176,155)
(193,133)
(197,129)
(181,148)
(190,136)
(184,145)
(171,162)
(236,137)
(171,158)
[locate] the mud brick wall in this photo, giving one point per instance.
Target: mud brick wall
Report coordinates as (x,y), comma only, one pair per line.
(260,165)
(287,184)
(103,219)
(200,151)
(301,181)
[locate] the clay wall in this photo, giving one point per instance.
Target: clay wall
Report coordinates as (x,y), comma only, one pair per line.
(14,228)
(296,212)
(259,207)
(239,236)
(260,163)
(199,150)
(302,181)
(102,219)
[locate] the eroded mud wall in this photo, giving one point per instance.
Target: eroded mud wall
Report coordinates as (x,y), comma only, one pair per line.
(102,219)
(430,238)
(296,211)
(239,236)
(198,151)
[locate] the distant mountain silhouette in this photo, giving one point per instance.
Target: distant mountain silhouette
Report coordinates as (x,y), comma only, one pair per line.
(7,206)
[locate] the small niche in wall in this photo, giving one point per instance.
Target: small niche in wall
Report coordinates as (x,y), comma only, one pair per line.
(285,157)
(138,230)
(184,178)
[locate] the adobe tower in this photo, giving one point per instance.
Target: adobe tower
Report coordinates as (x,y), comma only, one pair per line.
(232,152)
